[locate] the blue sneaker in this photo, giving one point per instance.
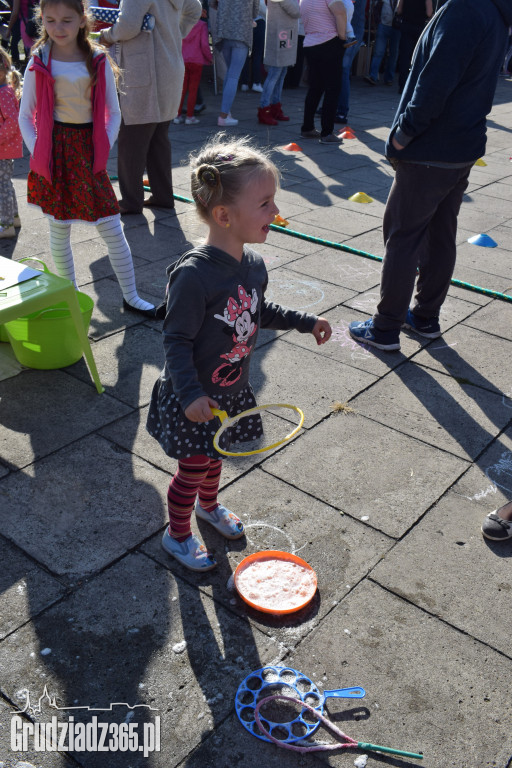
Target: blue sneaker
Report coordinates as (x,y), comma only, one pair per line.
(365,332)
(429,329)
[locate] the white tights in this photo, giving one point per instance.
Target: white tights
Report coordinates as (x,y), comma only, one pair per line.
(119,255)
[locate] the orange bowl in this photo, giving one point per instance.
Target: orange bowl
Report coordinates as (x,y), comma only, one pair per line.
(274,555)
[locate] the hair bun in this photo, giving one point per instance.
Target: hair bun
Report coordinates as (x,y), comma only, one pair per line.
(209,176)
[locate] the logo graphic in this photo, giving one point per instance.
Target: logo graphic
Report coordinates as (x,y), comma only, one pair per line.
(78,736)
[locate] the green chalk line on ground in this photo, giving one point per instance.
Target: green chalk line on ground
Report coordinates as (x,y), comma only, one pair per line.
(356,252)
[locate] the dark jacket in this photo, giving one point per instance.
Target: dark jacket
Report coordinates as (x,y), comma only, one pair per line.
(450,89)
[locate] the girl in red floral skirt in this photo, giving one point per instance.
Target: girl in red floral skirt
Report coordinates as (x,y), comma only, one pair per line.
(69,119)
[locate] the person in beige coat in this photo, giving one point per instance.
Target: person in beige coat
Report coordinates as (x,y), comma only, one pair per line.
(149,94)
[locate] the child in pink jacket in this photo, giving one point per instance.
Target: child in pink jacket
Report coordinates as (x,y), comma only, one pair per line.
(196,52)
(11,145)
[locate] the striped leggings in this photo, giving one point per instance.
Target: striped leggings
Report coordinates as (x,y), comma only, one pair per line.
(195,476)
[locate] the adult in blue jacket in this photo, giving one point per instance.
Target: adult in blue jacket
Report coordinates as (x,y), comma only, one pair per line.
(437,135)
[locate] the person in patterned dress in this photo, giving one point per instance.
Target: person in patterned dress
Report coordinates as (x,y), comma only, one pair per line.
(69,119)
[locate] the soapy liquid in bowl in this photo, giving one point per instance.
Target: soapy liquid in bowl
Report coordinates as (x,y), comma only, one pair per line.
(276,585)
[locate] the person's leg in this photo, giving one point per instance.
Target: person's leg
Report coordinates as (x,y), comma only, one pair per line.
(269,86)
(7,196)
(379,49)
(438,261)
(182,494)
(278,87)
(209,509)
(186,77)
(408,38)
(60,248)
(121,261)
(412,203)
(294,74)
(315,86)
(258,46)
(333,60)
(132,148)
(159,167)
(195,71)
(235,54)
(394,43)
(178,540)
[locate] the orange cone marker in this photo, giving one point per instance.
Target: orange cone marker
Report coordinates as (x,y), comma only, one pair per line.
(280,222)
(293,147)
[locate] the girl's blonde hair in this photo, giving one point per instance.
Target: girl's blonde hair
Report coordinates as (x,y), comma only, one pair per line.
(83,39)
(13,77)
(221,169)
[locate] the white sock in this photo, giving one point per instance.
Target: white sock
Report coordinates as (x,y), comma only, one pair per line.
(60,247)
(121,261)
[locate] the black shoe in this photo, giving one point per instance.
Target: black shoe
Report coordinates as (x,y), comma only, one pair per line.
(151,313)
(199,108)
(150,203)
(341,119)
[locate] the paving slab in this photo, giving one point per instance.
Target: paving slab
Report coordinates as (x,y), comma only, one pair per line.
(277,374)
(278,516)
(430,688)
(26,588)
(173,650)
(451,535)
(341,463)
(442,410)
(471,356)
(494,319)
(489,481)
(67,410)
(341,268)
(337,221)
(93,522)
(303,293)
(129,363)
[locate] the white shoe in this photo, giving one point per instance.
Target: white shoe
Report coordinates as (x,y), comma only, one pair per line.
(191,121)
(8,231)
(179,120)
(244,87)
(257,87)
(225,121)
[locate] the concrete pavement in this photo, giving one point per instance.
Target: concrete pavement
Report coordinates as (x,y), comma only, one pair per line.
(385,502)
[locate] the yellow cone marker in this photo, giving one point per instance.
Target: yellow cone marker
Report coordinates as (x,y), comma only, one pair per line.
(361,197)
(481,163)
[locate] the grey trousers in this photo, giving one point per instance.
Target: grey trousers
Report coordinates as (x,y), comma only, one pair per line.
(144,147)
(420,229)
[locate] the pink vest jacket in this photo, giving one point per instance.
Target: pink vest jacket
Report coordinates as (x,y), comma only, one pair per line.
(41,160)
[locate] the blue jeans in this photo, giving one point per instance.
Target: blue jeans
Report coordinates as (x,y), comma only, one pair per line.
(385,33)
(273,86)
(235,53)
(358,21)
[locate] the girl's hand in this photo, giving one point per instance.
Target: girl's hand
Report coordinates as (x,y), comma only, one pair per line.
(201,409)
(322,330)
